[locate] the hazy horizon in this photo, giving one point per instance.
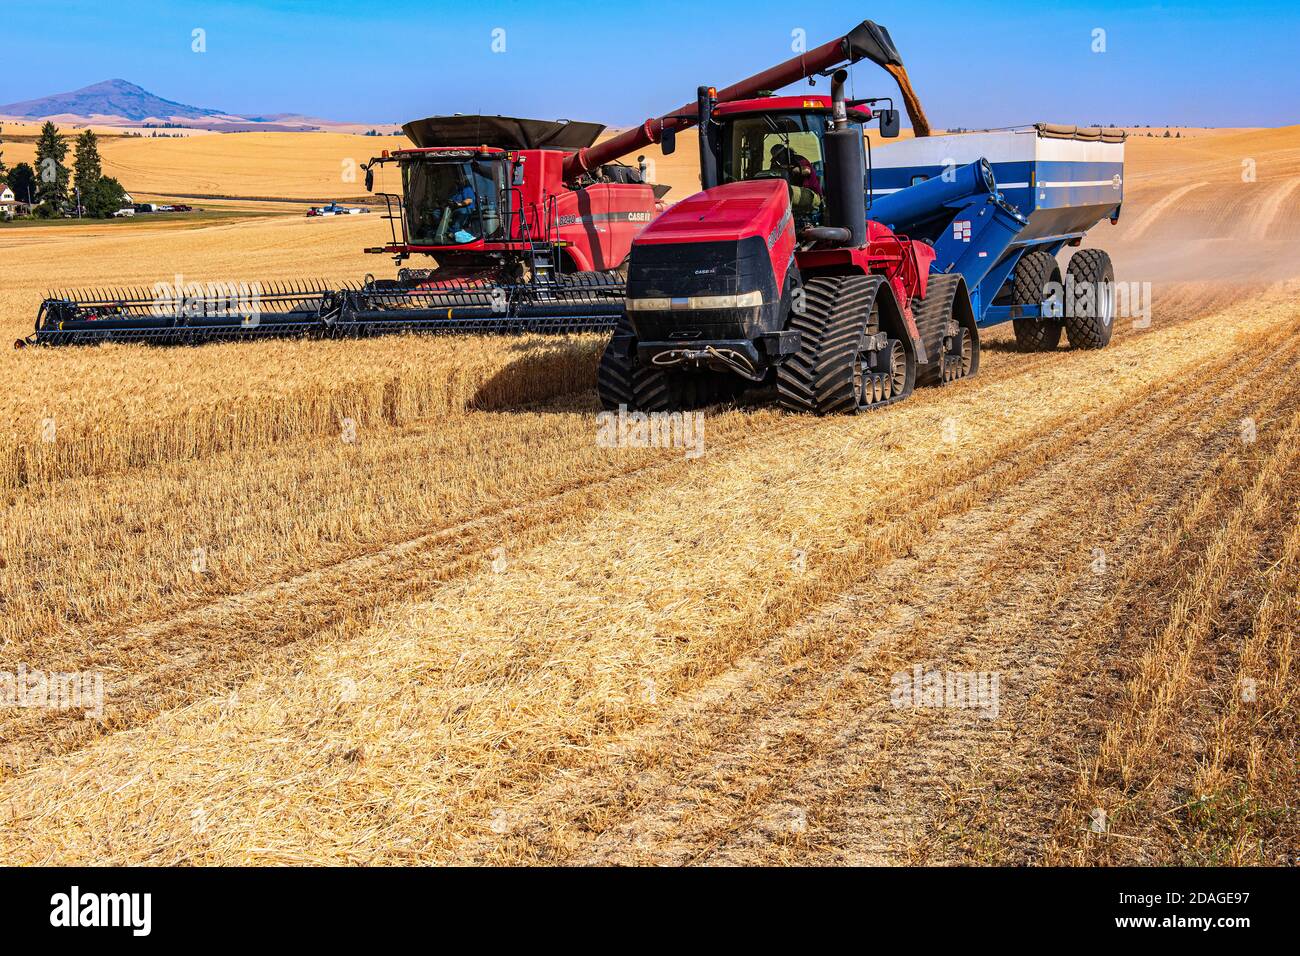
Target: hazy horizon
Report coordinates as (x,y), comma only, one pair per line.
(1128,64)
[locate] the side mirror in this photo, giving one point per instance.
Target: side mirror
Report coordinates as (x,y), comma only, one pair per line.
(668,142)
(889,123)
(370,180)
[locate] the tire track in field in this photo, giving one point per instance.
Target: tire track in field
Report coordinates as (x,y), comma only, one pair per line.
(993,791)
(852,781)
(210,646)
(1271,208)
(553,830)
(1179,664)
(1157,209)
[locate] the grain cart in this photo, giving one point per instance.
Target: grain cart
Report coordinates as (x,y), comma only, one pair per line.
(998,206)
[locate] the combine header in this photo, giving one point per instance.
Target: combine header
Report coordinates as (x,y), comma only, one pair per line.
(528,224)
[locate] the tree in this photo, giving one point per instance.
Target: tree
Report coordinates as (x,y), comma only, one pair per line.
(2,156)
(90,169)
(23,182)
(105,198)
(51,173)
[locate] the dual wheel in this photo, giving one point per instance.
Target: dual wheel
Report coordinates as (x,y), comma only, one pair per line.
(1082,306)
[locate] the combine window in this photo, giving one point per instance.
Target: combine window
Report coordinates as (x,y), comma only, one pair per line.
(779,146)
(451,202)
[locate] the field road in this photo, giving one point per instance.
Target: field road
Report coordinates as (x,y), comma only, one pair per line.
(459,630)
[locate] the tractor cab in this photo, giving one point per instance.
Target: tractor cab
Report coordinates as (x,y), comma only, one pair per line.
(781,138)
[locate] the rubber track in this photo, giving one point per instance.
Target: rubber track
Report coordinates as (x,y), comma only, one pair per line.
(614,374)
(818,378)
(932,314)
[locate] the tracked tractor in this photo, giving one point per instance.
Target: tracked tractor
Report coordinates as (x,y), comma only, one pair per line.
(800,270)
(774,276)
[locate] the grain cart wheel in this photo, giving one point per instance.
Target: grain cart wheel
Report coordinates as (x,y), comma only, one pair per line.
(946,323)
(849,360)
(614,374)
(1036,278)
(1090,313)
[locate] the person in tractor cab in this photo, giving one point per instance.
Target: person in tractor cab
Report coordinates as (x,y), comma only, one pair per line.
(799,170)
(805,184)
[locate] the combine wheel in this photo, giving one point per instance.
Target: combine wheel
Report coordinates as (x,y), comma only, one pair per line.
(1035,281)
(946,325)
(1090,318)
(614,374)
(845,362)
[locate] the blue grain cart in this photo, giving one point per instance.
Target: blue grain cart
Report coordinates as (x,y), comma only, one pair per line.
(998,207)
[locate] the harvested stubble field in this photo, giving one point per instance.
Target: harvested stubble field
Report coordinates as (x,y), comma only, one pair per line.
(472,635)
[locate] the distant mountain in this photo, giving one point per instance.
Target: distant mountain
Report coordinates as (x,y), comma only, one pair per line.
(110,98)
(119,103)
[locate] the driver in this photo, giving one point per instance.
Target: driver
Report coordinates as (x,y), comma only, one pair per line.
(462,212)
(800,170)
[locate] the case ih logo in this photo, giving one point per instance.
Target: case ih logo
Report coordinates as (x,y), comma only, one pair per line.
(606,217)
(961,230)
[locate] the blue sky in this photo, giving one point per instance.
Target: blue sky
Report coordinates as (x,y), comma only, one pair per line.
(974,63)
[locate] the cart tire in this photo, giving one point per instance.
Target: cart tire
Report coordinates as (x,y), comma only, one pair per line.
(1034,275)
(1090,313)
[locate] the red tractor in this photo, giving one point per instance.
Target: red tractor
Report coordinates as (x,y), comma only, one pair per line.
(773,275)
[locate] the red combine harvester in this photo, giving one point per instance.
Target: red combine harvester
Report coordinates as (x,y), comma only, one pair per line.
(773,275)
(529,225)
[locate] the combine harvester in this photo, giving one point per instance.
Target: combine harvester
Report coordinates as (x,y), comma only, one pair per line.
(843,281)
(529,223)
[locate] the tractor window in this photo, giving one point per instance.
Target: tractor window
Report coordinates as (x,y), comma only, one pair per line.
(779,146)
(451,203)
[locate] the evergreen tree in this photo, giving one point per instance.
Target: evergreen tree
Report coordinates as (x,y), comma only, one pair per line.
(90,169)
(23,182)
(51,173)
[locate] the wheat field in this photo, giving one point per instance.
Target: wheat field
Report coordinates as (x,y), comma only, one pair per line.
(391,602)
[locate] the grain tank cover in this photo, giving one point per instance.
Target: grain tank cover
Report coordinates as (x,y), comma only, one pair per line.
(504,132)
